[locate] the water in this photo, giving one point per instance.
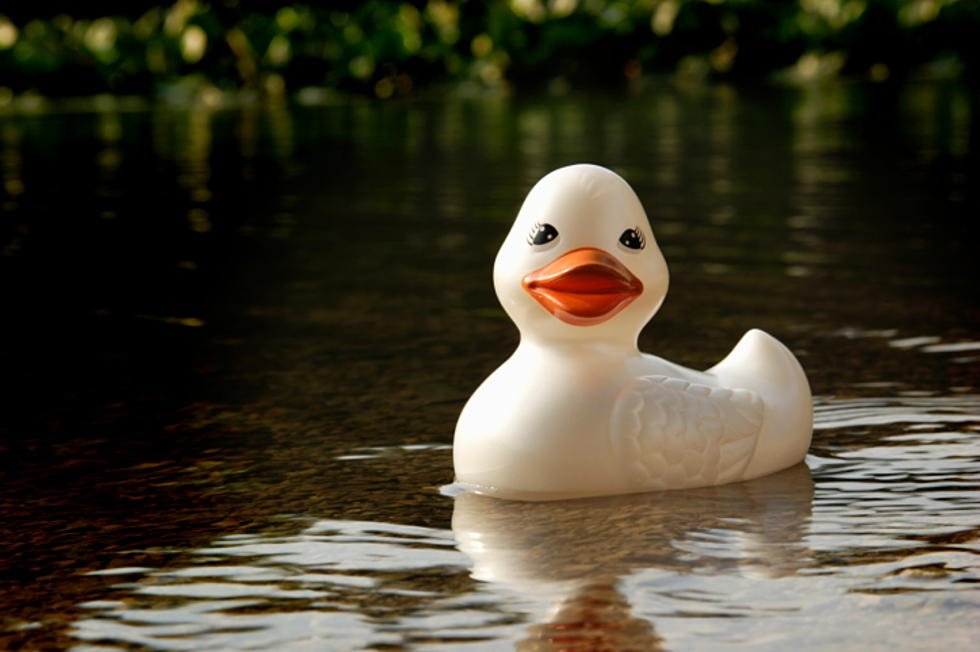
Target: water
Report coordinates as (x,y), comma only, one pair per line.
(236,342)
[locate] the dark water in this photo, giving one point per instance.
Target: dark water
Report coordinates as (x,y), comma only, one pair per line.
(236,342)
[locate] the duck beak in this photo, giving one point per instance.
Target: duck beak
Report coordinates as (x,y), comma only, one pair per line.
(584,287)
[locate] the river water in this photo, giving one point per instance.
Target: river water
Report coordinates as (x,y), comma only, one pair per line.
(237,340)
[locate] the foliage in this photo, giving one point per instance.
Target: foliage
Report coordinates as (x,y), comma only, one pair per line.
(387,48)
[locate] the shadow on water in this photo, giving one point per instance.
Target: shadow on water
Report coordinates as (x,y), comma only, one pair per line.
(236,342)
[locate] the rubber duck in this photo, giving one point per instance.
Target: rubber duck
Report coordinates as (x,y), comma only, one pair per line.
(578,410)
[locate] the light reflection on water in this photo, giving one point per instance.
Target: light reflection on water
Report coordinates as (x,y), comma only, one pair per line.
(881,548)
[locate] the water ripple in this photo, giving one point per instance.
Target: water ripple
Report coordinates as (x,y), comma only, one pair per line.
(304,591)
(856,412)
(883,525)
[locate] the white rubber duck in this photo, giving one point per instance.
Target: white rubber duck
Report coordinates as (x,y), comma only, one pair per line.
(578,410)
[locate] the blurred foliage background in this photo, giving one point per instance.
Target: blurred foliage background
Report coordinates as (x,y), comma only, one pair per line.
(385,48)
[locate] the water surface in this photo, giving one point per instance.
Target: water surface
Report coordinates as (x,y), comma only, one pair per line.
(237,341)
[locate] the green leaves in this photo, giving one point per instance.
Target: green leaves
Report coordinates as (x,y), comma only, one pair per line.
(386,48)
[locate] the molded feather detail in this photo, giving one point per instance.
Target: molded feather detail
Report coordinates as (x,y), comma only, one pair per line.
(672,433)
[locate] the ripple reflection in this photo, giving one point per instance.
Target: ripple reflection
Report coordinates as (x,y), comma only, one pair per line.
(882,528)
(336,585)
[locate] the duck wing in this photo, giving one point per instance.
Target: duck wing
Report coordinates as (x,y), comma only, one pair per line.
(672,434)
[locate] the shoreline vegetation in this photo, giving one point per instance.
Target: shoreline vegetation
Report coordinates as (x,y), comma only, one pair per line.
(125,54)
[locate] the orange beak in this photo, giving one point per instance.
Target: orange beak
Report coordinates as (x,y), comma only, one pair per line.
(584,287)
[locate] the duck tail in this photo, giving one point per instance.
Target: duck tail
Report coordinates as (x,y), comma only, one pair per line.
(763,364)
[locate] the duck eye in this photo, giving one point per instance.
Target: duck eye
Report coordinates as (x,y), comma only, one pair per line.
(542,234)
(633,238)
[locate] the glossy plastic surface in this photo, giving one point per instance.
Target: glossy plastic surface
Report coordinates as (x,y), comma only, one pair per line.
(578,410)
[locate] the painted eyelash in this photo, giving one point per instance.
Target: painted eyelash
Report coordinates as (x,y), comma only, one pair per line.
(534,229)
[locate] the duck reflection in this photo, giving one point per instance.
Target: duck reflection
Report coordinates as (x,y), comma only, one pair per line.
(594,617)
(576,551)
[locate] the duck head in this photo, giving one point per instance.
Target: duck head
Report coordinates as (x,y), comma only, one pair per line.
(581,262)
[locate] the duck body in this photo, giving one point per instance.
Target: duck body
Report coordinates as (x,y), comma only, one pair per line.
(578,410)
